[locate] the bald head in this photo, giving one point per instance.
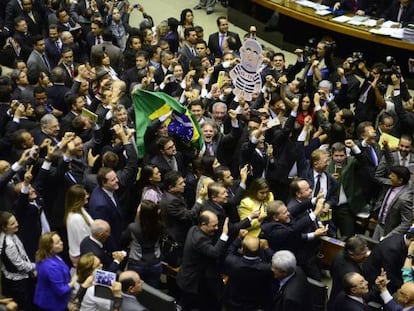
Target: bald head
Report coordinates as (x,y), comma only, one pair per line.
(405,295)
(131,282)
(100,230)
(251,245)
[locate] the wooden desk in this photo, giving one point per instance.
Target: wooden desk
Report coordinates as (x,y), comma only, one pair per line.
(307,15)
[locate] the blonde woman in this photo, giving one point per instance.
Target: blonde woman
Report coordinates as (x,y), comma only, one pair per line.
(78,221)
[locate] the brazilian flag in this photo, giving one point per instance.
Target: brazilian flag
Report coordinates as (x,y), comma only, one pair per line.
(149,106)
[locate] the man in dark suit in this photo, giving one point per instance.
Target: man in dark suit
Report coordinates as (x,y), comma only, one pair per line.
(135,74)
(368,153)
(187,50)
(30,215)
(355,288)
(33,18)
(100,232)
(347,260)
(360,7)
(215,40)
(174,211)
(291,288)
(168,157)
(131,287)
(68,66)
(400,11)
(236,190)
(395,205)
(104,204)
(298,234)
(389,254)
(250,277)
(37,61)
(217,197)
(23,38)
(199,276)
(49,128)
(56,92)
(165,67)
(404,298)
(53,45)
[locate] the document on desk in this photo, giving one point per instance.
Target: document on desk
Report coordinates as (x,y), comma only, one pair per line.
(323,12)
(312,5)
(396,33)
(357,20)
(341,19)
(370,23)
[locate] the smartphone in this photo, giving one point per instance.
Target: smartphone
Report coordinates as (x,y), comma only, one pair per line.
(220,79)
(273,122)
(136,6)
(338,169)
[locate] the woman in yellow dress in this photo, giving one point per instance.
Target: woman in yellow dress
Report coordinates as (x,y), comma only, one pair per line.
(257,197)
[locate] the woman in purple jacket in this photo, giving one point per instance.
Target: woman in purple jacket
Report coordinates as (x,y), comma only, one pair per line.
(54,283)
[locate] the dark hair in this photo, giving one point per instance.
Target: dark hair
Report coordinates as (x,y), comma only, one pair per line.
(256,185)
(346,282)
(219,19)
(110,159)
(162,141)
(279,54)
(206,165)
(36,39)
(150,220)
(354,245)
(101,177)
(218,172)
(127,283)
(183,15)
(338,146)
(170,179)
(187,31)
(107,34)
(402,172)
(361,128)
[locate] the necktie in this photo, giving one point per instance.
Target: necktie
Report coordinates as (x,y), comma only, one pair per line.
(400,13)
(404,161)
(222,35)
(354,6)
(46,62)
(317,185)
(373,156)
(385,207)
(98,40)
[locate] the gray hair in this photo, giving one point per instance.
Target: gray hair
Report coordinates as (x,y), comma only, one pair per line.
(47,119)
(284,261)
(98,226)
(325,83)
(219,104)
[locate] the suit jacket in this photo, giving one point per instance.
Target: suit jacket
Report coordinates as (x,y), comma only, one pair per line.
(392,305)
(199,261)
(400,213)
(30,227)
(101,206)
(52,296)
(88,245)
(56,96)
(388,160)
(52,52)
(389,254)
(330,195)
(345,303)
(341,265)
(163,165)
(214,43)
(130,303)
(365,5)
(392,12)
(25,43)
(176,216)
(36,26)
(249,285)
(350,183)
(115,54)
(294,295)
(36,64)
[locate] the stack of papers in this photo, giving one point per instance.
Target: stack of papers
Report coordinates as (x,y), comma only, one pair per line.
(397,33)
(408,34)
(323,12)
(312,5)
(357,20)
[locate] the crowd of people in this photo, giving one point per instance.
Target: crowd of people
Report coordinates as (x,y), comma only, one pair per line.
(277,169)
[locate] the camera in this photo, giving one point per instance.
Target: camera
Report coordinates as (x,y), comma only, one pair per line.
(309,49)
(330,47)
(391,68)
(357,57)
